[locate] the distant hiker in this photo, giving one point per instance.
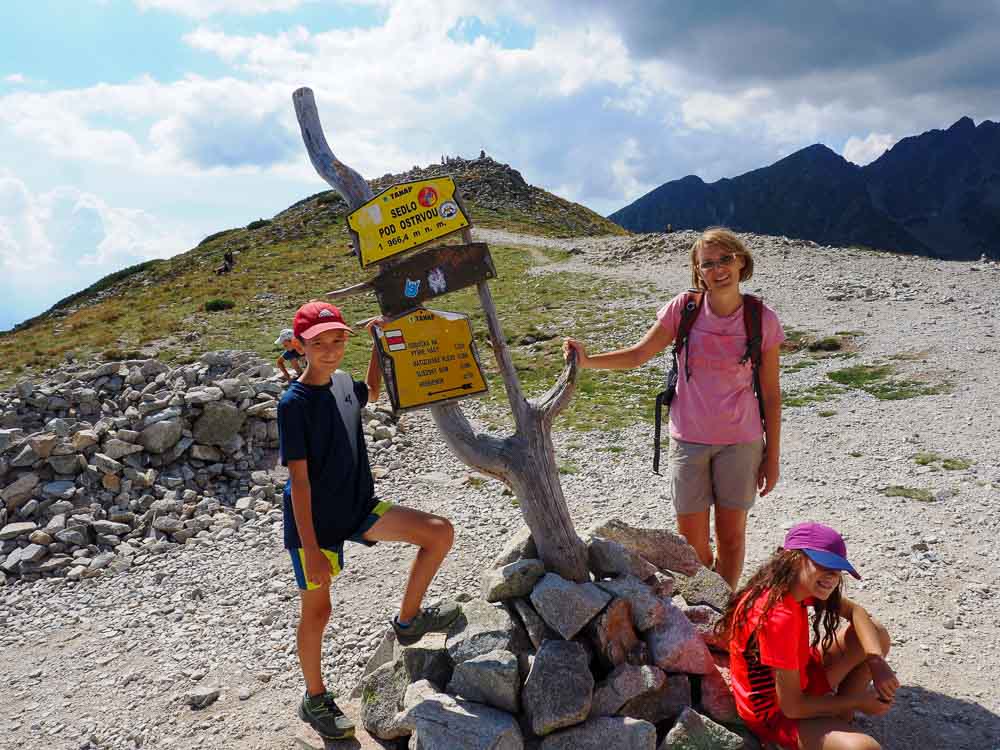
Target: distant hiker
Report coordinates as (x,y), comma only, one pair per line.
(228,261)
(670,228)
(330,498)
(797,692)
(720,453)
(292,356)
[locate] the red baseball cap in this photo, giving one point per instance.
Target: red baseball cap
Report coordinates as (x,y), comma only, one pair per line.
(315,317)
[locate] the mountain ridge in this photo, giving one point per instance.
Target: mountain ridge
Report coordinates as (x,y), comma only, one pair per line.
(935,194)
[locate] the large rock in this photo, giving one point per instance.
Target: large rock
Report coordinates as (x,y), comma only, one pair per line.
(704,587)
(17,492)
(492,679)
(14,530)
(675,646)
(218,424)
(440,722)
(118,449)
(662,548)
(75,537)
(427,659)
(565,606)
(67,464)
(717,696)
(481,628)
(559,688)
(663,703)
(110,527)
(608,558)
(160,437)
(648,610)
(382,694)
(106,464)
(203,395)
(512,580)
(704,619)
(519,546)
(623,684)
(604,733)
(696,732)
(534,625)
(613,636)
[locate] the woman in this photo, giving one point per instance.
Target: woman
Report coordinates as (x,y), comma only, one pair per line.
(720,455)
(797,692)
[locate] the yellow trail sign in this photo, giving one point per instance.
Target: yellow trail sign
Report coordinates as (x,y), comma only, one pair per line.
(405,216)
(426,357)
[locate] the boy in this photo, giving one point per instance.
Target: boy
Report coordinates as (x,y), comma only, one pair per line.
(330,499)
(291,355)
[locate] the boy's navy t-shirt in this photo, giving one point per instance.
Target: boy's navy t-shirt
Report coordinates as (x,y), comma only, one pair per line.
(322,424)
(289,354)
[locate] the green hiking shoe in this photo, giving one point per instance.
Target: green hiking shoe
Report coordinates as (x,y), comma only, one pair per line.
(322,713)
(434,619)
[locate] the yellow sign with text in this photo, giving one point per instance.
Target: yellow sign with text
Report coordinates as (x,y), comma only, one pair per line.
(405,216)
(428,357)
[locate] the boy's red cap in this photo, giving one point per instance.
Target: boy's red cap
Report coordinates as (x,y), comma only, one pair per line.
(315,317)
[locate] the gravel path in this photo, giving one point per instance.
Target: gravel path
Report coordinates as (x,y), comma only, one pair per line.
(109,661)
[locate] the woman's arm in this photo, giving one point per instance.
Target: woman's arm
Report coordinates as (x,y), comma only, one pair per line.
(770,386)
(655,341)
(281,366)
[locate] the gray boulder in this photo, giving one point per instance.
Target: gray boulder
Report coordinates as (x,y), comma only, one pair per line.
(110,527)
(534,625)
(696,732)
(675,646)
(160,437)
(106,464)
(427,659)
(67,464)
(623,684)
(75,537)
(440,722)
(559,688)
(382,694)
(717,696)
(604,733)
(492,679)
(662,548)
(648,610)
(704,587)
(118,449)
(218,424)
(518,547)
(202,696)
(512,580)
(608,558)
(480,629)
(661,704)
(565,606)
(17,492)
(19,528)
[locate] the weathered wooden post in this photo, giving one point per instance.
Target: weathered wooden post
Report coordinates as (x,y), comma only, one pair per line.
(525,460)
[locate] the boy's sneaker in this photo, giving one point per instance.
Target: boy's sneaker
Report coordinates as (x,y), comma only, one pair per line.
(436,618)
(322,713)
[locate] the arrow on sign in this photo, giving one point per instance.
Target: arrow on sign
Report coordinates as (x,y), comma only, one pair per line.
(463,387)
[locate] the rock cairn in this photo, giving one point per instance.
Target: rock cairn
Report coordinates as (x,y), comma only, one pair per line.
(102,468)
(626,661)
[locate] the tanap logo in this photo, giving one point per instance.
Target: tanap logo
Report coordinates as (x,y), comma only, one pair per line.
(427,197)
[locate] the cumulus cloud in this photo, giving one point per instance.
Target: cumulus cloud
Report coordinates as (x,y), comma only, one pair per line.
(15,78)
(863,151)
(59,241)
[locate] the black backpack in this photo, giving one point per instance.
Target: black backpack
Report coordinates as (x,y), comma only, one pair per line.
(753,309)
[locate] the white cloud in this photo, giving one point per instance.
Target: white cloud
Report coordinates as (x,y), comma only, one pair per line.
(206,8)
(866,150)
(15,78)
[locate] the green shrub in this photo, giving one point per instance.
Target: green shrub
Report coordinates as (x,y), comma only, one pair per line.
(330,196)
(258,224)
(913,493)
(216,236)
(216,305)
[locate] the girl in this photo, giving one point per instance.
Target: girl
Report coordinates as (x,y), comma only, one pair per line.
(720,453)
(796,692)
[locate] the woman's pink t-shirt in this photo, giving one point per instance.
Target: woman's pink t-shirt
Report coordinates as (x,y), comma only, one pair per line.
(716,406)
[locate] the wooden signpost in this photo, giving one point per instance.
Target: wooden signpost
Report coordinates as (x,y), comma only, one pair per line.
(524,460)
(428,356)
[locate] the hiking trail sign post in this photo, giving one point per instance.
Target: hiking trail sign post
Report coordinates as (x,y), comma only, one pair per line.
(525,460)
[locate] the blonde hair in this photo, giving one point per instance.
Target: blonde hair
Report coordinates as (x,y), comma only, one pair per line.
(724,238)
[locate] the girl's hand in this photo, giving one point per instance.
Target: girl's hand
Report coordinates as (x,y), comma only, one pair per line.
(581,352)
(885,680)
(873,704)
(378,320)
(767,474)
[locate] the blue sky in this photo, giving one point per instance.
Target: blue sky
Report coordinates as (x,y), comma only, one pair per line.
(130,129)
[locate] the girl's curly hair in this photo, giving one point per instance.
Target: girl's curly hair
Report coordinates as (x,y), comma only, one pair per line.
(776,577)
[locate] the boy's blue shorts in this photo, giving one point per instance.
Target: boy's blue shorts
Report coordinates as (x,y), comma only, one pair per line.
(336,556)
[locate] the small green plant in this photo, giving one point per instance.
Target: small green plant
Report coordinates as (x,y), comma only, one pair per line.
(924,458)
(794,340)
(802,364)
(851,334)
(812,395)
(258,224)
(217,305)
(913,493)
(827,413)
(955,464)
(860,376)
(855,454)
(877,380)
(569,468)
(826,344)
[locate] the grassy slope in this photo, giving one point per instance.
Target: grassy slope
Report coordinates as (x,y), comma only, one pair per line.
(305,253)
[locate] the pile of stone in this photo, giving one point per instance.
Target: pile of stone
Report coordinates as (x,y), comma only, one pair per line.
(626,661)
(101,468)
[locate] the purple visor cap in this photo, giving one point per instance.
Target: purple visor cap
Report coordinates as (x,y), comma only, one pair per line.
(823,545)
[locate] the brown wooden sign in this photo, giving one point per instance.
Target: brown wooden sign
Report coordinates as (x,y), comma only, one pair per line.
(430,274)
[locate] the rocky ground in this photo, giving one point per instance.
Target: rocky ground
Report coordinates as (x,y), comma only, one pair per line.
(113,661)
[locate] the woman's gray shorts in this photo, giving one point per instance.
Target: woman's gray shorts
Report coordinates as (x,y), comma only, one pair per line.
(702,475)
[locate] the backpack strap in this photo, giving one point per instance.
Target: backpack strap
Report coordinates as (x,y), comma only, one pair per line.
(689,312)
(753,313)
